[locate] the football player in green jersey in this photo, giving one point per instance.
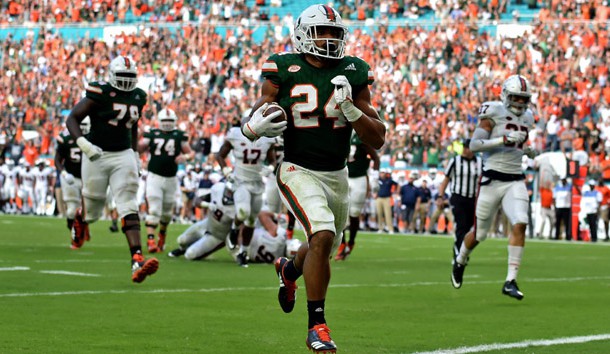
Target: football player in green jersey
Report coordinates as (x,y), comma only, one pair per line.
(325,95)
(358,165)
(168,147)
(68,161)
(110,155)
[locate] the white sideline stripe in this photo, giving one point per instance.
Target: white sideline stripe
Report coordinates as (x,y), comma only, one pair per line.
(63,272)
(215,290)
(10,269)
(524,344)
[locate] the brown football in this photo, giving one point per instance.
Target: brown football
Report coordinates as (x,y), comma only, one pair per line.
(274,107)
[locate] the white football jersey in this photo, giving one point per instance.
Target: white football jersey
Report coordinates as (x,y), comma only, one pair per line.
(42,176)
(265,248)
(248,155)
(10,175)
(27,177)
(505,158)
(220,216)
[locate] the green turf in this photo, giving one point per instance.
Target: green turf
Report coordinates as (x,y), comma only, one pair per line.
(392,296)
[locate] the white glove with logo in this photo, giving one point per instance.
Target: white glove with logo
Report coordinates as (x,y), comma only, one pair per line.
(515,137)
(68,177)
(343,97)
(93,152)
(260,125)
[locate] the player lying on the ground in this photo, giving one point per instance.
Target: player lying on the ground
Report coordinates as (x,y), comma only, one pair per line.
(209,235)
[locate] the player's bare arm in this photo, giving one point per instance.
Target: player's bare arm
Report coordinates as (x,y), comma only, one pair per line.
(271,156)
(78,113)
(143,145)
(374,156)
(222,154)
(187,153)
(76,116)
(443,186)
(266,220)
(369,127)
(59,161)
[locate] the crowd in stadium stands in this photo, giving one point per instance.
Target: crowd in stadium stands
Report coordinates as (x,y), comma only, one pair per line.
(428,83)
(120,11)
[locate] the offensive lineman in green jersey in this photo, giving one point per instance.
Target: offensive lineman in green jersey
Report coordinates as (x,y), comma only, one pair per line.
(325,95)
(110,155)
(68,161)
(358,165)
(168,147)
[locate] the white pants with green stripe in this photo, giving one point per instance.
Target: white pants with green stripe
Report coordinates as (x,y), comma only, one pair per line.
(319,200)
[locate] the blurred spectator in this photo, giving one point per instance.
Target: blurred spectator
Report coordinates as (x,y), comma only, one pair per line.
(589,206)
(562,196)
(383,202)
(409,195)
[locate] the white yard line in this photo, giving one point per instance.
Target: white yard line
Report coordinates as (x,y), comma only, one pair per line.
(264,288)
(10,269)
(523,344)
(63,272)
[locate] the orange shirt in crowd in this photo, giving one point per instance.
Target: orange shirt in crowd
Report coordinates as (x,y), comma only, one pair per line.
(30,154)
(546,197)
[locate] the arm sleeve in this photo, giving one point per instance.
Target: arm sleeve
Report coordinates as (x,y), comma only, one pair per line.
(480,141)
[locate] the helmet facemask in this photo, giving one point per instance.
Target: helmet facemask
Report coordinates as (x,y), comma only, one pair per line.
(167,120)
(324,47)
(311,32)
(124,81)
(516,94)
(517,103)
(123,74)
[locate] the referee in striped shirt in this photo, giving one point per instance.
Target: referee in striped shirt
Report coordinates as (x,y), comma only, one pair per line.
(462,176)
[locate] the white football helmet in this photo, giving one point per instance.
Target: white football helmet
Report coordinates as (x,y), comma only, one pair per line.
(10,164)
(306,32)
(292,246)
(85,125)
(167,119)
(123,74)
(516,86)
(227,195)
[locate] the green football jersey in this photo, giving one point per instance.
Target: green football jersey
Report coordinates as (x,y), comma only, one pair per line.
(358,162)
(118,111)
(164,147)
(70,153)
(318,134)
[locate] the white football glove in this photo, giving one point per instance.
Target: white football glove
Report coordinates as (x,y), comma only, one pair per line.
(343,97)
(515,137)
(260,125)
(529,152)
(226,171)
(68,177)
(93,152)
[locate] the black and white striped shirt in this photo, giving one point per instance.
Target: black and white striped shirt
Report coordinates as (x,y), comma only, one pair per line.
(464,175)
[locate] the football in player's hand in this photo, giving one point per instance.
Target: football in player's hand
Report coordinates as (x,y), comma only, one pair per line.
(274,107)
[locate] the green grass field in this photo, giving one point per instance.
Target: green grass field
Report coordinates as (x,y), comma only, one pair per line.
(392,296)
